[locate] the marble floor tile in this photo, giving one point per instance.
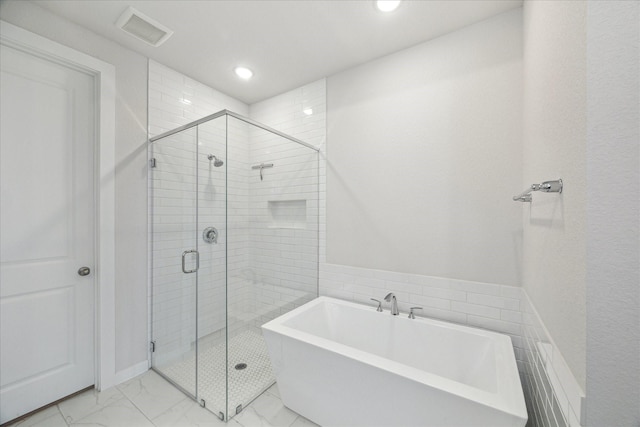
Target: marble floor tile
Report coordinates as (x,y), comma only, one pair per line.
(117,414)
(151,393)
(274,390)
(266,411)
(303,422)
(45,418)
(86,403)
(149,400)
(187,413)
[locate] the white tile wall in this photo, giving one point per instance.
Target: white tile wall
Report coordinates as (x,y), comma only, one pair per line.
(274,266)
(555,398)
(488,306)
(285,250)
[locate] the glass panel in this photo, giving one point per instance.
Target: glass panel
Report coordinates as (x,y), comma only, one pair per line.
(173,232)
(272,247)
(212,276)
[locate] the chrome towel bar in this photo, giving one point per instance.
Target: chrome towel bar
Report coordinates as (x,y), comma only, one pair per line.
(547,187)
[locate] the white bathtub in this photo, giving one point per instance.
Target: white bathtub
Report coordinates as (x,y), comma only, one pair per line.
(343,364)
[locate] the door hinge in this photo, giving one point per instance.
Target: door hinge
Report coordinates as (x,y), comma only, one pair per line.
(152,346)
(238,409)
(152,162)
(203,403)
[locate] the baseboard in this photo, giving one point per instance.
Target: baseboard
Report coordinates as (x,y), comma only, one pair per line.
(132,371)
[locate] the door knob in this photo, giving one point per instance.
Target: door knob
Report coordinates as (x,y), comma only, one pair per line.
(84,271)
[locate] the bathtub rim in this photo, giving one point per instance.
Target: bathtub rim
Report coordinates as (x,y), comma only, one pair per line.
(509,397)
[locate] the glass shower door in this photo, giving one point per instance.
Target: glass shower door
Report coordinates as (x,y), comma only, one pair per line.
(174,276)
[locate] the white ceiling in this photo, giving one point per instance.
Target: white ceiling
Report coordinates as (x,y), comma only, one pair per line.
(286,43)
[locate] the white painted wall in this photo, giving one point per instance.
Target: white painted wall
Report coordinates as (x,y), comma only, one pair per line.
(424,154)
(131,171)
(613,213)
(554,124)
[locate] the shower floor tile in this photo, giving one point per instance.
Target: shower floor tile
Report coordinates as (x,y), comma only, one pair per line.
(246,384)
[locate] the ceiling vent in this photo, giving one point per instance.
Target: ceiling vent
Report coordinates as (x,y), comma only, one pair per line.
(143,28)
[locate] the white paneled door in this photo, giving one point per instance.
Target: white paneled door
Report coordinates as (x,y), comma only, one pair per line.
(47,226)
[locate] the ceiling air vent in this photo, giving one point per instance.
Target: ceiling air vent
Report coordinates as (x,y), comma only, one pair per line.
(142,27)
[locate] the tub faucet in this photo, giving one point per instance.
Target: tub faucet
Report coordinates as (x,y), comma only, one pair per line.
(394,303)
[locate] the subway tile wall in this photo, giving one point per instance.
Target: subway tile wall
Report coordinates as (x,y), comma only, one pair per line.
(554,396)
(285,204)
(483,305)
(275,215)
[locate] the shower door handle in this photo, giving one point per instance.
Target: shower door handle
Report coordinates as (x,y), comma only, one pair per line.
(184,254)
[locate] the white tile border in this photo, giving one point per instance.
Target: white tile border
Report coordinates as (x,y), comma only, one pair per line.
(545,361)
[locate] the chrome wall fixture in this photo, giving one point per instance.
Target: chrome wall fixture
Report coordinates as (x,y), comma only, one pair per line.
(547,187)
(210,235)
(217,162)
(262,166)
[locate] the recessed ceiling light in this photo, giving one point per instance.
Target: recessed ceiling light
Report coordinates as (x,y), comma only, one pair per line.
(243,73)
(387,5)
(308,111)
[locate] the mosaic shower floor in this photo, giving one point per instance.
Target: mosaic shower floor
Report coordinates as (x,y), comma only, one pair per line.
(246,384)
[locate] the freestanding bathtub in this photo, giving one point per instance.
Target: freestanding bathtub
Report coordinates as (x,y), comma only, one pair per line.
(344,364)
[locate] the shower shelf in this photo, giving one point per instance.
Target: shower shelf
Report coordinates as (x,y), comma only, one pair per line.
(546,187)
(290,214)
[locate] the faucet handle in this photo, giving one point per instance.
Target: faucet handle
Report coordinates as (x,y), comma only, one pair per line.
(379,304)
(411,315)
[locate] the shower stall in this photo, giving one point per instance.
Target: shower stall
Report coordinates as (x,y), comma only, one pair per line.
(234,240)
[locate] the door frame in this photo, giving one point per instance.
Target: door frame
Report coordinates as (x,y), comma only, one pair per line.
(104,185)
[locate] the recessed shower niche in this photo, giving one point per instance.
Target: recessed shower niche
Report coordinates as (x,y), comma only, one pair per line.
(287,214)
(209,300)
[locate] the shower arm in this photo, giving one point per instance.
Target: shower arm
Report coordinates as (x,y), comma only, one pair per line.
(547,187)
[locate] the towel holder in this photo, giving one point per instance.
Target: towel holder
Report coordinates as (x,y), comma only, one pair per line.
(547,187)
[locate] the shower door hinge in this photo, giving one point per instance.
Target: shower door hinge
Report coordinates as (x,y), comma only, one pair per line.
(152,346)
(152,162)
(238,409)
(203,403)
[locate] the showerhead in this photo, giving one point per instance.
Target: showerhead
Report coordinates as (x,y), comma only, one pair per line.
(217,163)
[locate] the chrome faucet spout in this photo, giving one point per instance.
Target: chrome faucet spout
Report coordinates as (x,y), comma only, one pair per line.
(394,303)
